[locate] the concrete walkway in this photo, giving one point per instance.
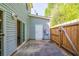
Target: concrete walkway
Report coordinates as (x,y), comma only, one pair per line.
(40,48)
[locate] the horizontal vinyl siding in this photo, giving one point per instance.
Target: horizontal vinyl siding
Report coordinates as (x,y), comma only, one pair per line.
(19,9)
(35,21)
(11,34)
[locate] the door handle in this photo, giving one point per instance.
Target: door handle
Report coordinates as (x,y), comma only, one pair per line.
(1,34)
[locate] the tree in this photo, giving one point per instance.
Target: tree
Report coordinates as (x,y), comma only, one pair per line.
(62,12)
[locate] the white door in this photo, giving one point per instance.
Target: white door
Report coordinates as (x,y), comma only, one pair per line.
(38,32)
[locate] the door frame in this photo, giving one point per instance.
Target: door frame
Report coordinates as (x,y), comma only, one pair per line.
(21,32)
(18,44)
(4,29)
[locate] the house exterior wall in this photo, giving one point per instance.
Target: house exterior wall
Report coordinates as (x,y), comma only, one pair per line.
(34,21)
(10,38)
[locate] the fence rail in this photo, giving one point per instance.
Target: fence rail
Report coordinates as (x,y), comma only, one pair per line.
(61,38)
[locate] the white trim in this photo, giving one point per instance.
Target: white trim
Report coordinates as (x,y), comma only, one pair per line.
(19,47)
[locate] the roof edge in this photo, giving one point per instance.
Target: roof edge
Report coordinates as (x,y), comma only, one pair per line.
(44,17)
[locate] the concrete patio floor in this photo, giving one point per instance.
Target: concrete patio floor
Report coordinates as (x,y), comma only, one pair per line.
(40,48)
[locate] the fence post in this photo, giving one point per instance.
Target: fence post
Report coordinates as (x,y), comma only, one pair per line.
(60,37)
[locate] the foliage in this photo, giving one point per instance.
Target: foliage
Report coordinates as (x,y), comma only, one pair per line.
(62,12)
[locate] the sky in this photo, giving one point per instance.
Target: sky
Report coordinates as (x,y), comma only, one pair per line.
(39,8)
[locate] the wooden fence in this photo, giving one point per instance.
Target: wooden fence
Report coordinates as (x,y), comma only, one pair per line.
(58,36)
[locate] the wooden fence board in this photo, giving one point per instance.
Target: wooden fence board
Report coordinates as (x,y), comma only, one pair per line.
(72,31)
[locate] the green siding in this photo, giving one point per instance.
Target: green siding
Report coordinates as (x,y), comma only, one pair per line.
(10,43)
